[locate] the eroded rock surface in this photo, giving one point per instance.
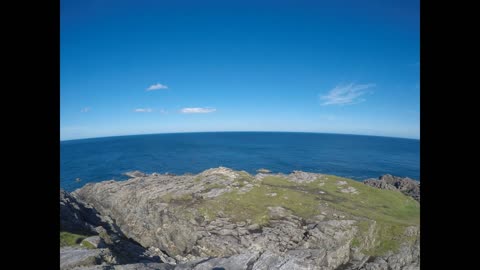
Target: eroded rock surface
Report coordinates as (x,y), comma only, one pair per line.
(226,219)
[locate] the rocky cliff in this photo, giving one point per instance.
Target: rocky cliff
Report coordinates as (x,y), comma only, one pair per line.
(226,219)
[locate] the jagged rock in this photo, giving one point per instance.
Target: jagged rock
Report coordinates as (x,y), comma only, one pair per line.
(379,184)
(76,217)
(112,246)
(405,185)
(221,171)
(262,170)
(302,177)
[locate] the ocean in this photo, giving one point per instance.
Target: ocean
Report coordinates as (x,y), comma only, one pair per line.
(353,156)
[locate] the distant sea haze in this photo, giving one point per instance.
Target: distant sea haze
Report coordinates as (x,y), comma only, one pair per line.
(353,156)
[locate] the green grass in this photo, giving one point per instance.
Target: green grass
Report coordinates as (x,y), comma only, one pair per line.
(363,226)
(87,245)
(372,203)
(253,204)
(71,239)
(213,186)
(391,210)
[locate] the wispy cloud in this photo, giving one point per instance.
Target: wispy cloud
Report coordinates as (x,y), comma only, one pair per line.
(346,94)
(197,110)
(156,86)
(85,110)
(143,110)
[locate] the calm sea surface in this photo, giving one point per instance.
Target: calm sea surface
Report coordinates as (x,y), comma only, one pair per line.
(352,156)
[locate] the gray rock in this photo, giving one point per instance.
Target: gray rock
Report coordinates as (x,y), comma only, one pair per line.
(145,266)
(405,185)
(350,190)
(236,262)
(302,177)
(134,266)
(155,211)
(95,241)
(75,216)
(135,174)
(115,247)
(71,257)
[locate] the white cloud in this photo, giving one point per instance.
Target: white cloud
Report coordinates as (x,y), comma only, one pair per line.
(346,94)
(197,110)
(85,110)
(156,86)
(143,110)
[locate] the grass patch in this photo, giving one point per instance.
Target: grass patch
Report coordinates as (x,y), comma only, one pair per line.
(70,239)
(388,238)
(87,245)
(392,210)
(372,203)
(213,186)
(363,227)
(253,204)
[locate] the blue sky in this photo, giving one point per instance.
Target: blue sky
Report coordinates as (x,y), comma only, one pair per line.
(137,67)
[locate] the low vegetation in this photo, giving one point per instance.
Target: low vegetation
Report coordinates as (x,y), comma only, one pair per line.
(392,211)
(71,239)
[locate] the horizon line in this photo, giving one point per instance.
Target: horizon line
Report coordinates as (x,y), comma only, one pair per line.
(188,132)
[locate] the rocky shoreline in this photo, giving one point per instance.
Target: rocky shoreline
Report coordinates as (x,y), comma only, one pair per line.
(227,219)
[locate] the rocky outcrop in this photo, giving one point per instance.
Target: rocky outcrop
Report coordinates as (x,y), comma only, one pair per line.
(405,185)
(110,246)
(71,257)
(226,219)
(75,217)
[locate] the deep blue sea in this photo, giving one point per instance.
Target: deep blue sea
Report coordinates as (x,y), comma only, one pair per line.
(352,156)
